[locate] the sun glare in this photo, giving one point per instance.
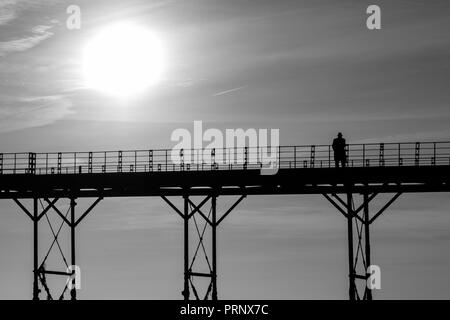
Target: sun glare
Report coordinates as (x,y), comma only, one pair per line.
(124,59)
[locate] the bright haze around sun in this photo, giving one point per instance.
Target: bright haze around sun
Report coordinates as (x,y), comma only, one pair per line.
(123,60)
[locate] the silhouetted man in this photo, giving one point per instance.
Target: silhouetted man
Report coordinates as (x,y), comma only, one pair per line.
(339,150)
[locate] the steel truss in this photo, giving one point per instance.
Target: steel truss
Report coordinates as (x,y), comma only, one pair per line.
(69,218)
(358,218)
(210,258)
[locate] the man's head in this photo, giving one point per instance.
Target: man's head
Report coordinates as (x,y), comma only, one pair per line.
(339,135)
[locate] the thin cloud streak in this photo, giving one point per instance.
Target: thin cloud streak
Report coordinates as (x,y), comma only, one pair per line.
(34,111)
(40,32)
(6,16)
(228,91)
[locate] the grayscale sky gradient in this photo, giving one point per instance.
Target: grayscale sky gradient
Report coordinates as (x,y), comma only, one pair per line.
(309,68)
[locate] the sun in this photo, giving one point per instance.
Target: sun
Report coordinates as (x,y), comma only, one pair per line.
(123,59)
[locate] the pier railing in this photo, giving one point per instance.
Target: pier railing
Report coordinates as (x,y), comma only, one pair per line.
(237,158)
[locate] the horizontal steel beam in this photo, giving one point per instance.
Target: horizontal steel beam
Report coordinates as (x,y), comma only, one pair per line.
(60,273)
(200,274)
(254,190)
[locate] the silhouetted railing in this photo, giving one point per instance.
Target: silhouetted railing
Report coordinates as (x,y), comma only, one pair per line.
(243,158)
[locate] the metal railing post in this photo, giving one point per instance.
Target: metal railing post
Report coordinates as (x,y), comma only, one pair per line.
(434,154)
(364,155)
(417,154)
(329,156)
(279,157)
(295,157)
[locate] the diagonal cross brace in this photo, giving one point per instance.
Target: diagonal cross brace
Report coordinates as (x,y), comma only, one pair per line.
(57,211)
(335,204)
(24,209)
(385,207)
(88,210)
(230,209)
(51,204)
(223,216)
(55,240)
(355,212)
(47,208)
(173,206)
(197,209)
(200,243)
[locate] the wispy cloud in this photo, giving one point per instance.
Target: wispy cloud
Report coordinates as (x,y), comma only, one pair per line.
(228,91)
(6,15)
(39,34)
(11,12)
(9,9)
(26,112)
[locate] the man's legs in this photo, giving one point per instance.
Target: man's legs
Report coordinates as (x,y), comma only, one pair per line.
(341,160)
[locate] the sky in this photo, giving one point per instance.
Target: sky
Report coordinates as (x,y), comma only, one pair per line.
(307,68)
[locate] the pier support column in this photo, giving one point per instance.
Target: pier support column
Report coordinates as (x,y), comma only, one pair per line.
(35,250)
(214,247)
(73,291)
(209,260)
(359,259)
(368,290)
(186,248)
(351,269)
(40,270)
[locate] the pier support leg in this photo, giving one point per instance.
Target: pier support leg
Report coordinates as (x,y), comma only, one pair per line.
(186,249)
(191,210)
(39,267)
(214,248)
(35,250)
(73,291)
(351,269)
(368,290)
(359,259)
